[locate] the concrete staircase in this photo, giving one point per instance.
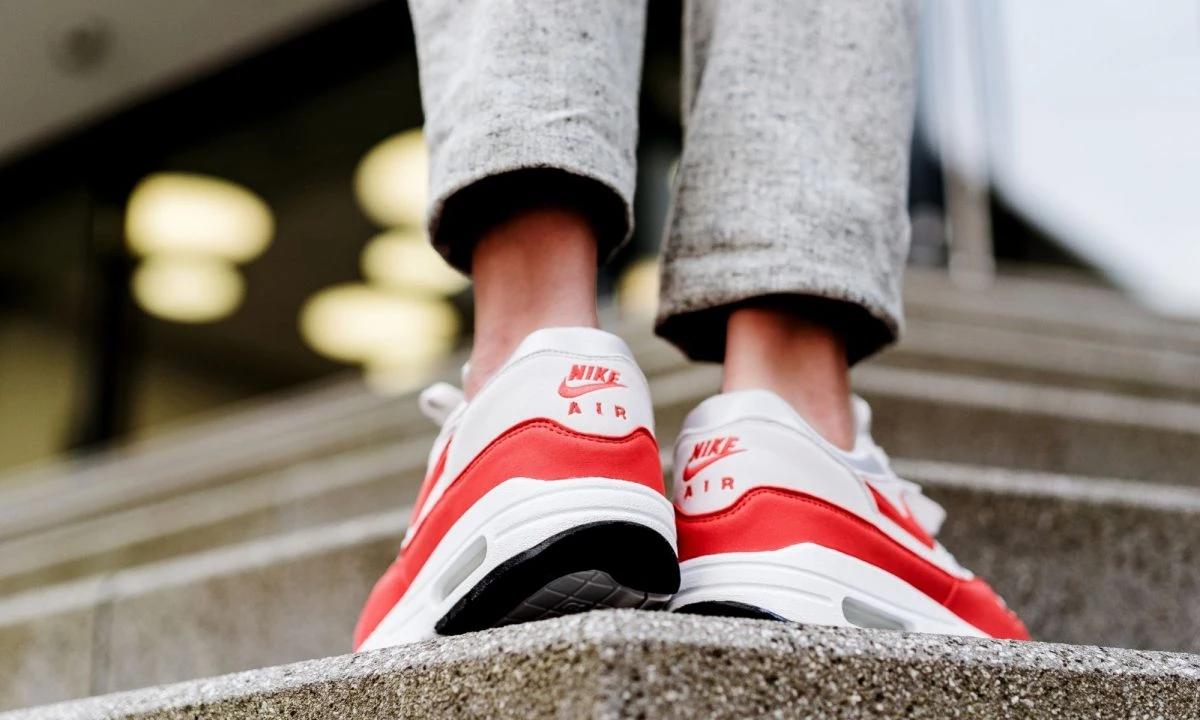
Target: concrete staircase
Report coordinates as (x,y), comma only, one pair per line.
(619,664)
(1057,424)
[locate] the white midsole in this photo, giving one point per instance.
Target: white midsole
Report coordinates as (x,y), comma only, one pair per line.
(513,517)
(810,583)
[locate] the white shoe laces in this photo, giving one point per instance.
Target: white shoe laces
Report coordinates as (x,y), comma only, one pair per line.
(439,401)
(927,512)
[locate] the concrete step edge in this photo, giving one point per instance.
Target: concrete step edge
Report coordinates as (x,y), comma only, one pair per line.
(169,456)
(1082,310)
(628,663)
(314,478)
(301,422)
(265,551)
(1083,560)
(126,528)
(1070,404)
(229,560)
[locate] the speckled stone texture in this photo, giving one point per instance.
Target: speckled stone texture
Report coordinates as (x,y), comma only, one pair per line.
(259,604)
(46,661)
(640,664)
(1082,560)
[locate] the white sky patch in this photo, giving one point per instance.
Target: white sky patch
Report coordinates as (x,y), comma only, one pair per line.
(1097,137)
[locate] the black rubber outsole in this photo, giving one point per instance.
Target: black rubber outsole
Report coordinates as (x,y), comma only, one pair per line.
(600,565)
(725,608)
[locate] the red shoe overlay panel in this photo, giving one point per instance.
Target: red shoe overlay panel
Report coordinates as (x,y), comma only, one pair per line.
(431,479)
(767,519)
(903,519)
(539,449)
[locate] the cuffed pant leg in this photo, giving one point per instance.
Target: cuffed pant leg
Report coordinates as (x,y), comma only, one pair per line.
(528,102)
(793,181)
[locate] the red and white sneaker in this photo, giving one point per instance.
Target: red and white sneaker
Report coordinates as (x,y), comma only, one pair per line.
(776,522)
(544,497)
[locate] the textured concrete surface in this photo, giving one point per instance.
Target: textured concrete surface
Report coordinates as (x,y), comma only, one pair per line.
(47,660)
(1051,304)
(637,664)
(1048,332)
(274,613)
(1032,427)
(330,453)
(918,414)
(970,420)
(1082,560)
(263,603)
(310,494)
(203,453)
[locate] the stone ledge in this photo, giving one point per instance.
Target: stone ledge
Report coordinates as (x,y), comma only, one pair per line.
(634,664)
(1082,560)
(941,417)
(177,495)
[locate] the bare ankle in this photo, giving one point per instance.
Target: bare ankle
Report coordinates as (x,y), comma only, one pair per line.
(802,362)
(533,271)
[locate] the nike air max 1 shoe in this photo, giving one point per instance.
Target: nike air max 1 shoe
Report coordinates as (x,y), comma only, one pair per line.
(544,497)
(775,522)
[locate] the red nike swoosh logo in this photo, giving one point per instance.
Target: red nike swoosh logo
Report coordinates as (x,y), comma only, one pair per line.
(569,391)
(903,519)
(690,471)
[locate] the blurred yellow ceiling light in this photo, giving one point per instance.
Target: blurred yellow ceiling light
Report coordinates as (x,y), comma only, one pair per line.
(637,289)
(404,259)
(187,289)
(392,180)
(185,214)
(356,323)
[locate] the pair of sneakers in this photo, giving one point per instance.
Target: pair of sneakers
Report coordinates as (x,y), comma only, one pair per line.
(545,497)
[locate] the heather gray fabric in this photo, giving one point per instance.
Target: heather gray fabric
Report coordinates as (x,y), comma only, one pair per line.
(512,85)
(797,123)
(794,172)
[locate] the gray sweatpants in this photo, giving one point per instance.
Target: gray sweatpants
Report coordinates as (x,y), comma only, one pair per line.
(792,181)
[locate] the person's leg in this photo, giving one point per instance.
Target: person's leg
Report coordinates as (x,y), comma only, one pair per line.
(791,194)
(776,348)
(544,494)
(783,260)
(531,123)
(535,270)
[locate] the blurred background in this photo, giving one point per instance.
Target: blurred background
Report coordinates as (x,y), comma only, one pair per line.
(216,299)
(203,201)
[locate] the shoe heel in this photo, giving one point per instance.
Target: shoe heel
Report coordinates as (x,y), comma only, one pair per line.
(604,565)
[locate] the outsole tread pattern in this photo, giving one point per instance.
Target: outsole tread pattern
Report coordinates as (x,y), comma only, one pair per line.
(604,565)
(580,592)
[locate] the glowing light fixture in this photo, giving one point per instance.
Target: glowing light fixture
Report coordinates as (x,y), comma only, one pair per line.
(392,181)
(404,259)
(184,214)
(637,289)
(359,323)
(187,289)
